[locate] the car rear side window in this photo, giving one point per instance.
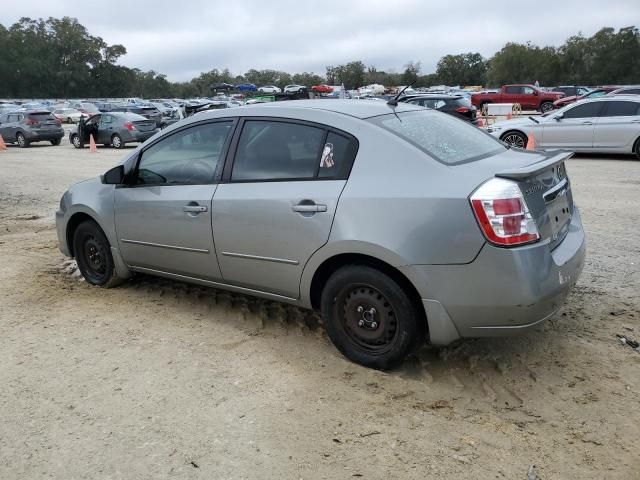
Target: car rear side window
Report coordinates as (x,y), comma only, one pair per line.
(187,157)
(513,90)
(585,110)
(621,109)
(271,150)
(338,154)
(443,137)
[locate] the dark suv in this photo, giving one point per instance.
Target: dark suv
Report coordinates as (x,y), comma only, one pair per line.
(150,112)
(27,127)
(455,105)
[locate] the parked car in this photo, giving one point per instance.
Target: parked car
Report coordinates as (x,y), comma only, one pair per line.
(69,115)
(456,105)
(626,91)
(114,128)
(85,107)
(246,87)
(9,107)
(322,89)
(598,92)
(600,125)
(571,90)
(238,202)
(30,126)
(270,89)
(295,89)
(528,96)
(147,111)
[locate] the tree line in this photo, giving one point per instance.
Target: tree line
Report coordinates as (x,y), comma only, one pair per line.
(59,58)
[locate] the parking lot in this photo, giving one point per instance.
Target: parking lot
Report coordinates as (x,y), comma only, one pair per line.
(159,379)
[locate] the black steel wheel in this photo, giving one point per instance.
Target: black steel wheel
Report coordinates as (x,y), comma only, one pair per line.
(93,255)
(515,139)
(370,318)
(56,142)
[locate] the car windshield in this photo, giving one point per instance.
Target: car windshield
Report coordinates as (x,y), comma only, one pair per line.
(445,138)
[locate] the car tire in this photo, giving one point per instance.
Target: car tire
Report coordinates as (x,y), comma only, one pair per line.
(93,255)
(116,141)
(546,107)
(370,318)
(56,142)
(22,141)
(515,139)
(636,148)
(75,141)
(70,120)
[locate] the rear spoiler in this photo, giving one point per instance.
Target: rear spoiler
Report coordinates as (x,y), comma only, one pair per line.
(554,157)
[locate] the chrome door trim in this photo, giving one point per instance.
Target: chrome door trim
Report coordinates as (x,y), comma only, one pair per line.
(210,283)
(264,259)
(160,245)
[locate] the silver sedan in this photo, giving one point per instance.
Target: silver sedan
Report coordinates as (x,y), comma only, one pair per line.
(600,125)
(400,224)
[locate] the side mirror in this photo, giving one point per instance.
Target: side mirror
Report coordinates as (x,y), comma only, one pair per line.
(535,92)
(559,117)
(115,176)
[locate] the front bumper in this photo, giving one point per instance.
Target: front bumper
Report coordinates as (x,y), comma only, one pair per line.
(503,291)
(62,233)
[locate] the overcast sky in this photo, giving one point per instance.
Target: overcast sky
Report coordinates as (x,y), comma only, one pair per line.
(184,38)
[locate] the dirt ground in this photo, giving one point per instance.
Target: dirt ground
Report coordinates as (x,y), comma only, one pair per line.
(158,379)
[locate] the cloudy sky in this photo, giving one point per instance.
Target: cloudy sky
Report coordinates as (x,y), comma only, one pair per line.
(184,38)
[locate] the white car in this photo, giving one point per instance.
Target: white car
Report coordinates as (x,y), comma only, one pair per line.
(293,88)
(69,115)
(270,89)
(599,125)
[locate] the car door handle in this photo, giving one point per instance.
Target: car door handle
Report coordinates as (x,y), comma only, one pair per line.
(587,123)
(635,121)
(194,208)
(309,208)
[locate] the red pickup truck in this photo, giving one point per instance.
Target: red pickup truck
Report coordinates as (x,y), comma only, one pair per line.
(528,96)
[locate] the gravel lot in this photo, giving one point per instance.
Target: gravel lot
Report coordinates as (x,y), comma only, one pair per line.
(158,379)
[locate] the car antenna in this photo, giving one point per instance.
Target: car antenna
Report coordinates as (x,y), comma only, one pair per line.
(394,101)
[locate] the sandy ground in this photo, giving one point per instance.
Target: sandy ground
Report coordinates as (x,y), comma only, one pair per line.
(158,379)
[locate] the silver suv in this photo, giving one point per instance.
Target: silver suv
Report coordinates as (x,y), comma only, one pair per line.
(399,223)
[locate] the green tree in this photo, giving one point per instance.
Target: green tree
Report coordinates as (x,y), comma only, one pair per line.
(463,69)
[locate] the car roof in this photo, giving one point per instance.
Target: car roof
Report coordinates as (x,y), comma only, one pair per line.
(616,98)
(433,96)
(353,108)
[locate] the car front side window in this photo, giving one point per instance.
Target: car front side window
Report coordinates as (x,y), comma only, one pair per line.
(586,110)
(187,157)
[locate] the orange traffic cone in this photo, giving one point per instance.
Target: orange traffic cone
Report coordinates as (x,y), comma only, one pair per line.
(3,146)
(531,141)
(479,122)
(92,144)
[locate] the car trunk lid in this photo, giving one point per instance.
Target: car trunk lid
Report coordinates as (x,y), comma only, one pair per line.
(145,125)
(547,191)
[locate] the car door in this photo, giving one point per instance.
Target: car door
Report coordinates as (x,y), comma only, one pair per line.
(5,127)
(529,99)
(277,203)
(512,94)
(571,128)
(618,127)
(163,217)
(105,129)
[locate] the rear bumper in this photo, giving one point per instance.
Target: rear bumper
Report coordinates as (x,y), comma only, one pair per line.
(138,136)
(42,136)
(503,291)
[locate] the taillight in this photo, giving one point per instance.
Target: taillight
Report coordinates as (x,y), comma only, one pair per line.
(31,121)
(58,122)
(129,126)
(502,213)
(462,109)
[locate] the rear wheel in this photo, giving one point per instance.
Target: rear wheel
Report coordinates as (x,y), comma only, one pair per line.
(22,140)
(69,120)
(515,139)
(93,255)
(370,318)
(546,106)
(116,141)
(56,142)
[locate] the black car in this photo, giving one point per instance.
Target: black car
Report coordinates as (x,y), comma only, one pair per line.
(221,86)
(572,90)
(456,105)
(147,111)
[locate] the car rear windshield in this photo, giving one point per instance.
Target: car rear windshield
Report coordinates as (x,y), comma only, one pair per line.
(447,139)
(41,116)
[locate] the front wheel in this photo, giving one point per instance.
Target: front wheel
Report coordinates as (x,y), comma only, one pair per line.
(515,139)
(75,140)
(116,141)
(546,107)
(370,318)
(93,255)
(22,140)
(636,149)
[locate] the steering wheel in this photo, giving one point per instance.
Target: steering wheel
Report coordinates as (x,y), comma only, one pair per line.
(196,171)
